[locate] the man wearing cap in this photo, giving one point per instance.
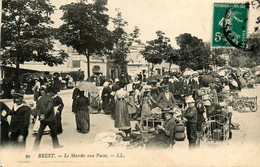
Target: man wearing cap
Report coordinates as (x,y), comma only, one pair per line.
(45,107)
(191,115)
(164,137)
(166,99)
(20,120)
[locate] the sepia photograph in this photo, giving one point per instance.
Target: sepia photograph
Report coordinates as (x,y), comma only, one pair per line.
(130,83)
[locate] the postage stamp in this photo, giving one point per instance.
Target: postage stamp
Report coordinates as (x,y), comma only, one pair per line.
(230,25)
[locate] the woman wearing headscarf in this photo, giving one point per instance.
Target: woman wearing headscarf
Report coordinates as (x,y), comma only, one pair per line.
(82,113)
(106,98)
(147,102)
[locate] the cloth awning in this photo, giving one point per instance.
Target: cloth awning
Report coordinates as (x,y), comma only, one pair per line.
(44,68)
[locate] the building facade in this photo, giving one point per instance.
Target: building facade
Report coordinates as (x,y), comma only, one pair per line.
(136,62)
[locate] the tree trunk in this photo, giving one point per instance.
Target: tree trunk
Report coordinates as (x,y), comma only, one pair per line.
(170,64)
(152,69)
(17,82)
(88,64)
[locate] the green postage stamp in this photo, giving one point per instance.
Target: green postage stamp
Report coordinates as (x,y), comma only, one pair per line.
(230,25)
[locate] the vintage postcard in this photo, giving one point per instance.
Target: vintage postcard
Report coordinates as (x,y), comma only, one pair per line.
(130,83)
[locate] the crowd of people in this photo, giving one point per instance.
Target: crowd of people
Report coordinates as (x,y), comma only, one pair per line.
(31,83)
(186,99)
(46,110)
(176,101)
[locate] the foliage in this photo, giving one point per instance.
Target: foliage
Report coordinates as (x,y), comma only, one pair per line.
(253,44)
(193,52)
(85,28)
(26,34)
(77,75)
(157,50)
(122,40)
(216,56)
(246,58)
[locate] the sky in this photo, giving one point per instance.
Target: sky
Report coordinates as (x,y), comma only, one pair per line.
(173,17)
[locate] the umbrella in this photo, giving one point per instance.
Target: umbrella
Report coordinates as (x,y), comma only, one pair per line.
(87,87)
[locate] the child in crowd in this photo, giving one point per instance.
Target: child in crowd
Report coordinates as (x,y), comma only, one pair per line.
(131,105)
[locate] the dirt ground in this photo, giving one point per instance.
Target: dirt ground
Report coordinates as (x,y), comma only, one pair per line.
(242,150)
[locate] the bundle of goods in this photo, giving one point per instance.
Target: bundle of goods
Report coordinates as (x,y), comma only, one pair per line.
(95,101)
(179,132)
(156,113)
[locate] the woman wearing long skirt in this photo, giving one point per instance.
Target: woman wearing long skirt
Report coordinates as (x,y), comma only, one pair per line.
(106,98)
(82,113)
(75,95)
(122,121)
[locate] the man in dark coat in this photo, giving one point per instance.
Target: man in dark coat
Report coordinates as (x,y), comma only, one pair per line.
(4,124)
(45,109)
(58,103)
(166,99)
(56,83)
(191,115)
(179,87)
(172,87)
(20,120)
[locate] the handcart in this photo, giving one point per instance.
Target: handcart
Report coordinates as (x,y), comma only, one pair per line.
(240,103)
(216,128)
(95,102)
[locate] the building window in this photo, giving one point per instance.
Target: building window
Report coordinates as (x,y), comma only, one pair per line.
(76,64)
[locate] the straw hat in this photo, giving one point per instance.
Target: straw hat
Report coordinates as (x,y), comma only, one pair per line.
(106,84)
(190,100)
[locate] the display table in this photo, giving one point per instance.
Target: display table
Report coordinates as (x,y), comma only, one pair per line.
(152,120)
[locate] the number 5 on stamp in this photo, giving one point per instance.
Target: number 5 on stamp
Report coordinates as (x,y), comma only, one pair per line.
(230,25)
